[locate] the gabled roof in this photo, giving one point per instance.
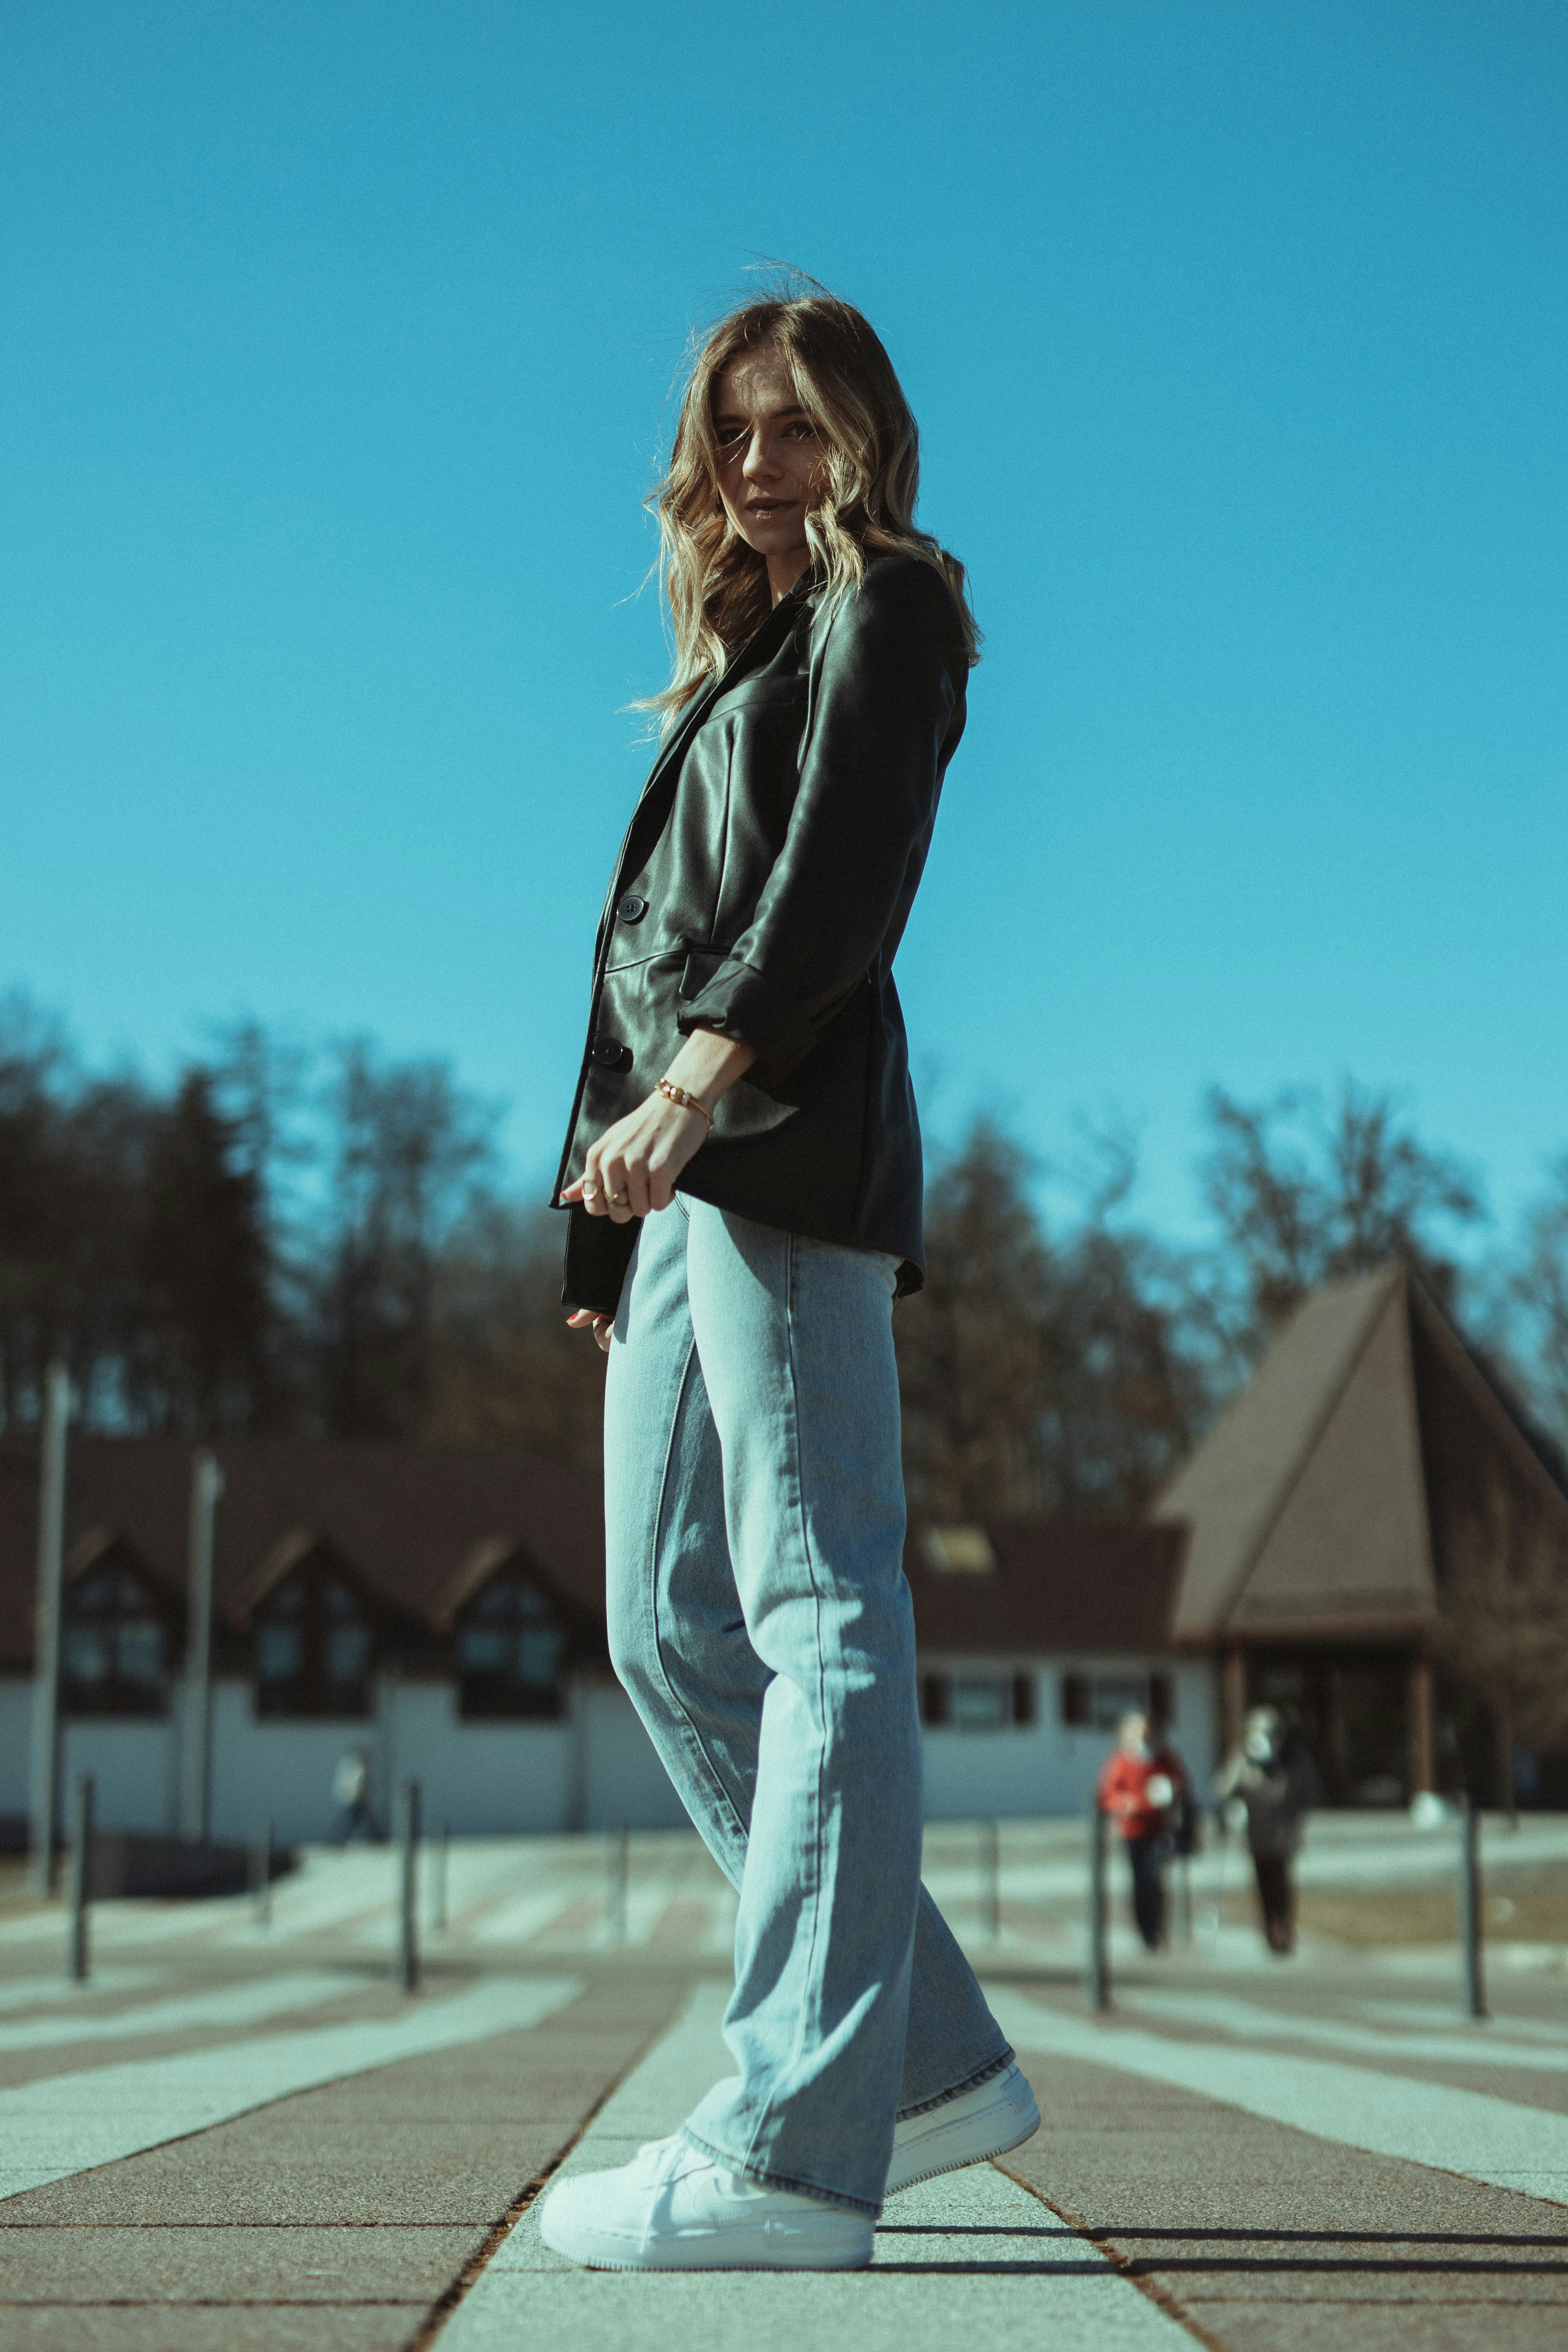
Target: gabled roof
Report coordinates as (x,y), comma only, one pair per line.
(1063,1588)
(417,1530)
(406,1520)
(1309,1503)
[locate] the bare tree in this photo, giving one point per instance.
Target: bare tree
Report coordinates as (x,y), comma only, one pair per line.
(1503,1622)
(407,1146)
(1304,1196)
(1043,1377)
(505,1369)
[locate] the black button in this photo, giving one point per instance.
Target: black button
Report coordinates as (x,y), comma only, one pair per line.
(632,909)
(610,1054)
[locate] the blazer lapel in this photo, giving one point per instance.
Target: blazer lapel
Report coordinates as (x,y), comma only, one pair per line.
(652,802)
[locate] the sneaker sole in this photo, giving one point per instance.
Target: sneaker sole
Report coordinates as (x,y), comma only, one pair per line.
(719,2250)
(951,2147)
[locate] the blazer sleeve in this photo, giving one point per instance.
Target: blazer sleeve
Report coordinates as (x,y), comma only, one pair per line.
(884,685)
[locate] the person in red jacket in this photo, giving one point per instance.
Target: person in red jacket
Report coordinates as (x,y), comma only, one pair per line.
(1140,1786)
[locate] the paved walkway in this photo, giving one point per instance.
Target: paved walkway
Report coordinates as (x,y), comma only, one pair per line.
(235,2138)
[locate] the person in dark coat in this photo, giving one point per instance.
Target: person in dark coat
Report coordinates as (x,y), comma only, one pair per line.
(1272,1776)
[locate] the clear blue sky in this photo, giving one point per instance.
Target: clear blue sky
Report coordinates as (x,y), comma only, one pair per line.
(336,342)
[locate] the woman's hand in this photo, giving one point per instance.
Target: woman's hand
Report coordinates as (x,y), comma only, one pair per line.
(632,1168)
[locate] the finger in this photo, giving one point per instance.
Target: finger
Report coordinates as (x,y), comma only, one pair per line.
(617,1192)
(574,1192)
(581,1315)
(603,1332)
(593,1187)
(636,1187)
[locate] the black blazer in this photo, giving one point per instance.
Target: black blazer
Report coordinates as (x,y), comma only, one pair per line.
(763,889)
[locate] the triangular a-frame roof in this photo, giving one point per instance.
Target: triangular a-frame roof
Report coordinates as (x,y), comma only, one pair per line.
(1306,1504)
(1324,1503)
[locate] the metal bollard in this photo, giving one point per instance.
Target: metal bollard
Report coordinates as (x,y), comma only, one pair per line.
(991,1878)
(442,1853)
(408,1935)
(81,1877)
(1096,1984)
(261,1871)
(1471,1927)
(620,1875)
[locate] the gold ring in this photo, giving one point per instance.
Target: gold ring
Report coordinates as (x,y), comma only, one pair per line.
(617,1200)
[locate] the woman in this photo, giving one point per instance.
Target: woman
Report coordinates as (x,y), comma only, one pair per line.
(743,1174)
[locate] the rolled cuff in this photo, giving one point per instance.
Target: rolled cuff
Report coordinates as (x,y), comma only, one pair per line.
(740,1002)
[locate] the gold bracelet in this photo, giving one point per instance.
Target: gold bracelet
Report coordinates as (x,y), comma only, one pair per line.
(675,1094)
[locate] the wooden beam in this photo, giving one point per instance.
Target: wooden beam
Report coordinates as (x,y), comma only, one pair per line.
(1233,1697)
(1420,1715)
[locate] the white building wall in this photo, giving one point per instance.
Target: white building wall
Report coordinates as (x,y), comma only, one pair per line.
(1050,1767)
(593,1770)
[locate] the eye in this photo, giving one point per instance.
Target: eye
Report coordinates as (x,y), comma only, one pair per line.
(729,435)
(803,431)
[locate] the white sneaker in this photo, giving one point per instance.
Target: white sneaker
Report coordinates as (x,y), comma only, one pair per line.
(987,2121)
(673,2209)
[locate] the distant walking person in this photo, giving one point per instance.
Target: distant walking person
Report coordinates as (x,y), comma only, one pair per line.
(743,1175)
(1141,1786)
(350,1796)
(1272,1777)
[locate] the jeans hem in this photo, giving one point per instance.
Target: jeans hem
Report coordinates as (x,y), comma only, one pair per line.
(765,2180)
(992,2068)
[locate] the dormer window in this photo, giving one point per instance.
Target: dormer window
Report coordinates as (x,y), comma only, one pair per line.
(312,1646)
(114,1644)
(512,1646)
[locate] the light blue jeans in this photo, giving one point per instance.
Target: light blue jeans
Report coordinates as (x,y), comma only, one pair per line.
(759,1619)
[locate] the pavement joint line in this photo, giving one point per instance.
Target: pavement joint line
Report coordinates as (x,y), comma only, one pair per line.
(1158,2295)
(1473,2135)
(447,2302)
(67,2123)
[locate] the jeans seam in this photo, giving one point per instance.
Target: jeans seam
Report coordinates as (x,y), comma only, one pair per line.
(678,1710)
(810,1990)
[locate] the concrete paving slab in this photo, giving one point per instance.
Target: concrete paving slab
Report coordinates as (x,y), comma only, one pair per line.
(250,2002)
(237,2237)
(72,2123)
(1469,2132)
(263,2327)
(1236,2221)
(174,2264)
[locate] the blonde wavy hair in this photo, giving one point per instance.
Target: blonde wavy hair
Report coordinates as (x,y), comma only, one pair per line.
(716,585)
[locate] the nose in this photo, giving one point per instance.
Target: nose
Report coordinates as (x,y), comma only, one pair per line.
(761,463)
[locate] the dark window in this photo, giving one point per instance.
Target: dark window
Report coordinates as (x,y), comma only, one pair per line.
(114,1646)
(977,1702)
(1077,1707)
(936,1699)
(1162,1702)
(312,1647)
(512,1649)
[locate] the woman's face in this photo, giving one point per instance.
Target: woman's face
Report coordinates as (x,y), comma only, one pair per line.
(770,467)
